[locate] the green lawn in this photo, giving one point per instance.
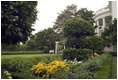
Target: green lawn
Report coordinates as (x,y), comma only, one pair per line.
(104,71)
(114,68)
(25,55)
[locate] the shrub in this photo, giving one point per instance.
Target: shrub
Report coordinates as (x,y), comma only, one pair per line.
(99,51)
(75,30)
(79,54)
(45,70)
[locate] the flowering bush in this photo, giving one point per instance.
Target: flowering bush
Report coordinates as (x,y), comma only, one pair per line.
(74,62)
(7,74)
(43,69)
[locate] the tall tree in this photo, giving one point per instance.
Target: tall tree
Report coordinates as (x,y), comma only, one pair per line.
(85,14)
(68,13)
(17,19)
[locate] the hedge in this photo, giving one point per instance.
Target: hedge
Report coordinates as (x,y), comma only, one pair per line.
(79,54)
(20,52)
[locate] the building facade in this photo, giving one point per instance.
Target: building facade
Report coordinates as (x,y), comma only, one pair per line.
(103,18)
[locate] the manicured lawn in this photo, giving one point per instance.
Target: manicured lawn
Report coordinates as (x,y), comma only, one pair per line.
(114,68)
(25,55)
(20,52)
(104,71)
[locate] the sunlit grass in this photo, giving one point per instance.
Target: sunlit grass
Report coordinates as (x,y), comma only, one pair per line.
(26,55)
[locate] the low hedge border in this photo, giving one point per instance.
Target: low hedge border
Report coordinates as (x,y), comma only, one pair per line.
(79,54)
(20,52)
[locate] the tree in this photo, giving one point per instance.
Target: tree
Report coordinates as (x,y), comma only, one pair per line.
(75,30)
(85,14)
(95,43)
(72,12)
(46,39)
(63,17)
(110,34)
(31,44)
(17,19)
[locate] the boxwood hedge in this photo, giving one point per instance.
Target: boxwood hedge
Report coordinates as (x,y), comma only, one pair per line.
(79,54)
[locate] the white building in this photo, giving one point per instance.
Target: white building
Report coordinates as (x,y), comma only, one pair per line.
(104,17)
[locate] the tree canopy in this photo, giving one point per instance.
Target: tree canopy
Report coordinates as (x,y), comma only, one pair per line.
(64,16)
(72,12)
(17,19)
(95,43)
(110,34)
(85,14)
(46,39)
(75,30)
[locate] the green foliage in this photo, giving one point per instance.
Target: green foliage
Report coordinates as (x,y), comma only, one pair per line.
(114,68)
(70,12)
(64,16)
(17,19)
(75,30)
(86,15)
(95,43)
(104,71)
(84,70)
(110,34)
(20,52)
(31,44)
(79,54)
(16,75)
(23,64)
(46,39)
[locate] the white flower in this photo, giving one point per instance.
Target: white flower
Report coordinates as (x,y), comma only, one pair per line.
(65,60)
(80,62)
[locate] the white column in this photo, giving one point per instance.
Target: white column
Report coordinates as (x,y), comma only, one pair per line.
(64,47)
(104,24)
(97,27)
(56,47)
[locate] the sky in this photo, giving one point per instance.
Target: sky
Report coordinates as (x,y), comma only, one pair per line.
(48,9)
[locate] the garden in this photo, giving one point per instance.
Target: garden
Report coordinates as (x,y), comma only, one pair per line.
(55,66)
(80,53)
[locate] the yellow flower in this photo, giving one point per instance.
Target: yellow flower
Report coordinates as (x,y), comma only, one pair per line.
(43,76)
(49,69)
(96,54)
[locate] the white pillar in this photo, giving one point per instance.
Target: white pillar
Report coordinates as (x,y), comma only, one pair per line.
(97,27)
(56,47)
(64,47)
(104,24)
